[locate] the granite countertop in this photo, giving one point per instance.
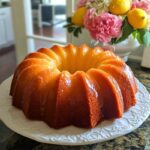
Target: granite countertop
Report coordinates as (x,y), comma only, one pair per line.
(137,140)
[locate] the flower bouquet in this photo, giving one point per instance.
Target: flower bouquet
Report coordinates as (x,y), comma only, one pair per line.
(112,21)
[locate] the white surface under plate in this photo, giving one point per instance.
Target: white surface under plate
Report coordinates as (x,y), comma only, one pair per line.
(39,131)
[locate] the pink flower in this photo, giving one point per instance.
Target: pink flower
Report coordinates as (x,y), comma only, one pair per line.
(143,4)
(103,27)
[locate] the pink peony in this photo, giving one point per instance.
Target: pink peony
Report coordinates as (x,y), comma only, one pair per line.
(103,27)
(143,4)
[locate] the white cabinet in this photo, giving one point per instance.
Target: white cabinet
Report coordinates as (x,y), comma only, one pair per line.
(6,27)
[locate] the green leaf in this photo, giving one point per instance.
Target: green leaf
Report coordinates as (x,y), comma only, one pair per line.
(138,37)
(71,29)
(113,41)
(143,37)
(134,34)
(80,30)
(77,32)
(69,19)
(67,25)
(147,38)
(127,29)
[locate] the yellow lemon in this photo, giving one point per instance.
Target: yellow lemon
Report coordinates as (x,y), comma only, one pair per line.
(119,7)
(137,18)
(78,17)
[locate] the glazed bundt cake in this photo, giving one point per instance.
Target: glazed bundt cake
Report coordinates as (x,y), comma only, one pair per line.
(72,85)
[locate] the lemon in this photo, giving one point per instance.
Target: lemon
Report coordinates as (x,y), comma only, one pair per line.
(119,7)
(78,17)
(137,18)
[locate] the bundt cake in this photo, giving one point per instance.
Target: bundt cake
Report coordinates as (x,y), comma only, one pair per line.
(71,85)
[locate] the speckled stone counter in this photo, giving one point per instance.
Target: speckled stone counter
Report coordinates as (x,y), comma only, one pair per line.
(137,140)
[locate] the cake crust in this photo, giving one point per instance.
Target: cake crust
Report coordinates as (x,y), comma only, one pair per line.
(72,85)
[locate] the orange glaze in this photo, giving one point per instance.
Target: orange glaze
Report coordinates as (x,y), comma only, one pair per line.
(62,54)
(125,84)
(37,55)
(71,49)
(25,77)
(23,65)
(37,101)
(63,101)
(109,92)
(51,54)
(72,85)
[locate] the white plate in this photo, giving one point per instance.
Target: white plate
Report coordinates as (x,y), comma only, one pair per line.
(39,131)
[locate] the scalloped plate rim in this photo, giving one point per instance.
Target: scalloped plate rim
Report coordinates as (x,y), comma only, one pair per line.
(76,142)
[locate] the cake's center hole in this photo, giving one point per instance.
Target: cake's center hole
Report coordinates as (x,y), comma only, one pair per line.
(78,64)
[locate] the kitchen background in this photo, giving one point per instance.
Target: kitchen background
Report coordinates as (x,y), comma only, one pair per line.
(48,19)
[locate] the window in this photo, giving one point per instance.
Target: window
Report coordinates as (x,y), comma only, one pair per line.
(58,2)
